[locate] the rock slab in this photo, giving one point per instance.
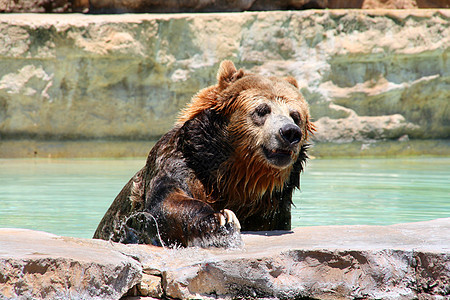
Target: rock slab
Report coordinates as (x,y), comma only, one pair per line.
(39,265)
(122,6)
(404,261)
(368,75)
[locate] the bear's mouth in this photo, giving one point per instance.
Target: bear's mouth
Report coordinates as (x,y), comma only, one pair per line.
(278,157)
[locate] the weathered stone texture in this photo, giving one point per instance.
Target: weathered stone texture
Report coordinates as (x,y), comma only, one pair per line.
(330,262)
(405,261)
(38,265)
(36,6)
(170,6)
(368,75)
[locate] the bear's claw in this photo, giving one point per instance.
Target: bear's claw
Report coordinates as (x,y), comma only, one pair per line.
(226,216)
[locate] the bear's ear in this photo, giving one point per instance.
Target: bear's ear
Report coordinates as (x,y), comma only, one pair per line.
(292,81)
(227,74)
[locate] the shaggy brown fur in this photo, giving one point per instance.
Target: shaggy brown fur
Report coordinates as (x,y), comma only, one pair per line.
(233,159)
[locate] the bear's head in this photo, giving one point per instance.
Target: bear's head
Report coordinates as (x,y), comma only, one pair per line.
(268,125)
(269,117)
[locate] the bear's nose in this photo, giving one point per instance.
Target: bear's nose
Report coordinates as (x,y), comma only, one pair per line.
(291,133)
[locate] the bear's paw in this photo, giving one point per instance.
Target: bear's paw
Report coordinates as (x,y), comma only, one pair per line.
(223,230)
(227,218)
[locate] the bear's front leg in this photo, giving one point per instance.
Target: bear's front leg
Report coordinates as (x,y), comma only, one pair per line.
(191,222)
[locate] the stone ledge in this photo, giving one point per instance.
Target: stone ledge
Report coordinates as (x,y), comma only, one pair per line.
(40,265)
(402,261)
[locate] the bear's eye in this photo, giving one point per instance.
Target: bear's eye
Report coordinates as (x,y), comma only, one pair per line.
(262,110)
(260,113)
(296,117)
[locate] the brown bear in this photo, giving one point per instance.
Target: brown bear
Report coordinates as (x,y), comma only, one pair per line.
(230,163)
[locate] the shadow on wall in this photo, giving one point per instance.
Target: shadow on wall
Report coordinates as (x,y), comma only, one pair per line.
(176,6)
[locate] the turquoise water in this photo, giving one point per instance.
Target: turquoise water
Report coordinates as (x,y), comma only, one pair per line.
(373,191)
(69,197)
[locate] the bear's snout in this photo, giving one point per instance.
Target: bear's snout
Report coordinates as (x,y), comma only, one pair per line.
(291,134)
(282,141)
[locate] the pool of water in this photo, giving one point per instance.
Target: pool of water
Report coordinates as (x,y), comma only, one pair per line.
(69,197)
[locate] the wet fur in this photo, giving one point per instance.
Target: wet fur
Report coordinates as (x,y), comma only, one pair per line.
(208,162)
